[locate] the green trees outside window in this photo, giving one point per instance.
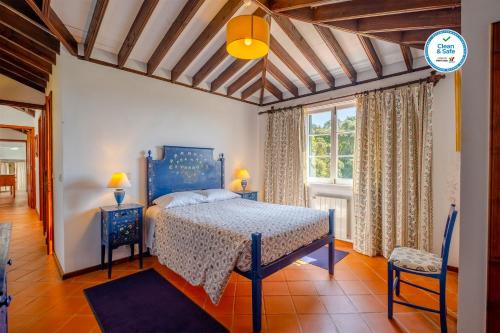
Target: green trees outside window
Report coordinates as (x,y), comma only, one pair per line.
(323,151)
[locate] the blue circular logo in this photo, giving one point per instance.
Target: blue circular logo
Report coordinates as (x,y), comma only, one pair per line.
(445,50)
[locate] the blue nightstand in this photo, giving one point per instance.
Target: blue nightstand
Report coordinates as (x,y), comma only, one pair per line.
(250,195)
(120,225)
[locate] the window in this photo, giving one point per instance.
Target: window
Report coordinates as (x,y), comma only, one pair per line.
(330,143)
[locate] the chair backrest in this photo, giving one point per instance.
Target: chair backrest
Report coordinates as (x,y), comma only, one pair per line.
(448,232)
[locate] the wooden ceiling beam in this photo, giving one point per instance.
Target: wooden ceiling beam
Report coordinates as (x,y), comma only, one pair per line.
(95,24)
(414,21)
(410,36)
(372,55)
(24,65)
(269,86)
(217,58)
(246,77)
(27,27)
(252,89)
(56,26)
(22,104)
(283,55)
(217,23)
(26,56)
(21,79)
(284,5)
(282,78)
(182,20)
(229,72)
(339,54)
(407,56)
(22,72)
(140,21)
(359,9)
(299,41)
(27,43)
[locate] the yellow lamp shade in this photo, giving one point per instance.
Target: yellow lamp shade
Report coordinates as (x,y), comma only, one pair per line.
(119,180)
(247,37)
(243,174)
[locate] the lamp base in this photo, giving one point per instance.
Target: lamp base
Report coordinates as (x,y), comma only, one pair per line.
(119,196)
(244,184)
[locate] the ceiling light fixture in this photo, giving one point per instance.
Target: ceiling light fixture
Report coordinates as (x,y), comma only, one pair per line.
(247,37)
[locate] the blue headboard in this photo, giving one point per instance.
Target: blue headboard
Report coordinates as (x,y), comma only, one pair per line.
(183,169)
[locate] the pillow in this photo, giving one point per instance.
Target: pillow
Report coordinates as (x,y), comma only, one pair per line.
(177,199)
(218,194)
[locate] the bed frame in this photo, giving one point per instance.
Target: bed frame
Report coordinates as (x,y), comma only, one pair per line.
(190,168)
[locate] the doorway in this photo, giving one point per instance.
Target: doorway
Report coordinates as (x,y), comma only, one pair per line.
(17,162)
(38,156)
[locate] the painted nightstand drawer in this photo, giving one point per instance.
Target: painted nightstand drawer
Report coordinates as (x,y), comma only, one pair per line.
(250,195)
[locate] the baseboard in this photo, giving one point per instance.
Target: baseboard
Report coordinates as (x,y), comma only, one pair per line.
(58,264)
(95,268)
(453,269)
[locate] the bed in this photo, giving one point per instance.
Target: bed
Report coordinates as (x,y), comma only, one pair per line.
(205,242)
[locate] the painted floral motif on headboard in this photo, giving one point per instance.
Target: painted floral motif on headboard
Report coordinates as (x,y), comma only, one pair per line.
(189,165)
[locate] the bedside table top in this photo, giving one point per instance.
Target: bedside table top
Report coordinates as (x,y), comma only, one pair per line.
(245,192)
(115,208)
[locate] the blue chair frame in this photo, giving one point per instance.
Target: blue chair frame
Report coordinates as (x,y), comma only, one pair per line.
(394,277)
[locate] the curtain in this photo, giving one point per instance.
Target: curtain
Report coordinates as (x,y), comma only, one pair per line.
(20,168)
(393,170)
(284,158)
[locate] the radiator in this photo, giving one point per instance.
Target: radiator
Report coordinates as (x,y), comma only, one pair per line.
(342,206)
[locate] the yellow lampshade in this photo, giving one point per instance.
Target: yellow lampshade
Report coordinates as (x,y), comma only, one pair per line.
(119,180)
(242,174)
(247,37)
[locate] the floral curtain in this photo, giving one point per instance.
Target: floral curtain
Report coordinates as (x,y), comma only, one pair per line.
(393,170)
(284,158)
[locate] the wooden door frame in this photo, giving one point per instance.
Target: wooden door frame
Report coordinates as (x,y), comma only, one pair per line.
(45,198)
(30,160)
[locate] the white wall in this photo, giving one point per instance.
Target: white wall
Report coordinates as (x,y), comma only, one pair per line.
(446,168)
(477,16)
(10,134)
(14,91)
(11,116)
(106,119)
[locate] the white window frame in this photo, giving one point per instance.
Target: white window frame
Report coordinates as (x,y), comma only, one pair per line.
(334,147)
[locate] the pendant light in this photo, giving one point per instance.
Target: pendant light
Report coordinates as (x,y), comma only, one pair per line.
(247,37)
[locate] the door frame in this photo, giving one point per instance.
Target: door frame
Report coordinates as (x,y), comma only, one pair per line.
(45,165)
(30,160)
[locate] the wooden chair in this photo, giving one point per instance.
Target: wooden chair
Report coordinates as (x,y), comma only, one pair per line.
(412,261)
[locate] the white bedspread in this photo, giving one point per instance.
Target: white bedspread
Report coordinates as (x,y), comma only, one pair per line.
(204,242)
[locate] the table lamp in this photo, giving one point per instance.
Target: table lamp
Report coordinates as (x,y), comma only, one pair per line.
(243,175)
(119,181)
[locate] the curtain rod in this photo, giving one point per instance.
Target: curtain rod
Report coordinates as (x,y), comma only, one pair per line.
(433,78)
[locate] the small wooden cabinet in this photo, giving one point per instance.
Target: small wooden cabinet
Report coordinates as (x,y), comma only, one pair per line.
(121,225)
(249,195)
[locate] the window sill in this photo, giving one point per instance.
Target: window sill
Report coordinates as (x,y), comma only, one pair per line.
(344,186)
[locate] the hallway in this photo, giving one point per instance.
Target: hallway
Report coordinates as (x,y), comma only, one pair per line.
(298,299)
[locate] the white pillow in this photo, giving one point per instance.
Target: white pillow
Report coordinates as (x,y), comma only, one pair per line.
(218,194)
(177,199)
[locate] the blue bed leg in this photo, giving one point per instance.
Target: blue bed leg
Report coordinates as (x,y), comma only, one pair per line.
(331,241)
(256,282)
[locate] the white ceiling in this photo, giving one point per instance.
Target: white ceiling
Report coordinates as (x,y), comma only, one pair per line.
(76,15)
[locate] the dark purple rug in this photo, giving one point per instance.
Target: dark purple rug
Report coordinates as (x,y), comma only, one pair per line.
(146,302)
(320,257)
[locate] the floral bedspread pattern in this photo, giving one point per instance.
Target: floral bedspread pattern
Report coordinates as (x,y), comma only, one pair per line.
(204,242)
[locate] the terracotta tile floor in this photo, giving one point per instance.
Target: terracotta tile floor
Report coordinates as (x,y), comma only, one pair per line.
(300,298)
